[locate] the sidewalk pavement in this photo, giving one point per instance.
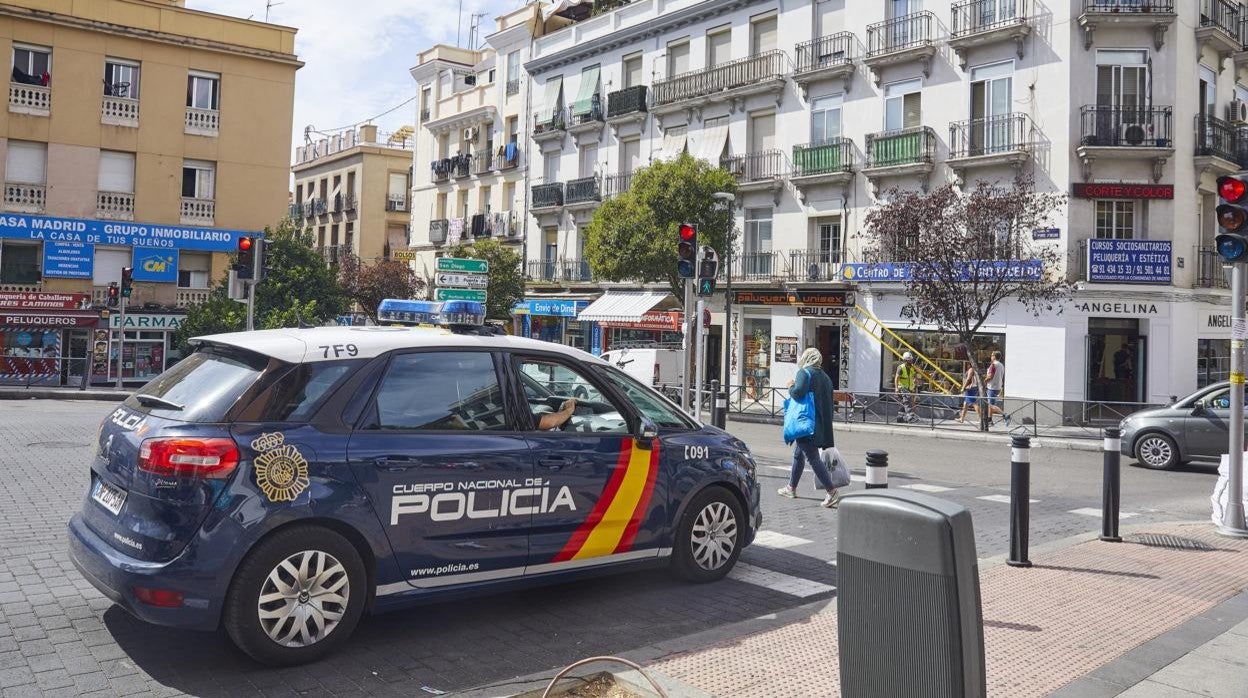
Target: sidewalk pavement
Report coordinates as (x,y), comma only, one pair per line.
(48,393)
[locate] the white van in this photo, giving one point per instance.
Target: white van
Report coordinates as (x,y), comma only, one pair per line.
(652,366)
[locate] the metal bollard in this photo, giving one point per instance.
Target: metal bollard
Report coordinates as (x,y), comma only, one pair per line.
(1020,500)
(877,469)
(716,417)
(1111,487)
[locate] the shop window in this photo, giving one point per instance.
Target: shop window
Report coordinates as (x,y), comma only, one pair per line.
(941,348)
(1116,360)
(1115,219)
(19,264)
(757,376)
(1213,361)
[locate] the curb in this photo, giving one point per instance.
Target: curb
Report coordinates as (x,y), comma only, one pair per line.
(62,394)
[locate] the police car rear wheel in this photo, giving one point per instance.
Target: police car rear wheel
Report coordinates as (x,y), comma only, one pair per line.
(296,597)
(708,540)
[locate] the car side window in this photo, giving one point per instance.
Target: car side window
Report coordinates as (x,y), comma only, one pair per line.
(1220,400)
(562,398)
(441,391)
(649,403)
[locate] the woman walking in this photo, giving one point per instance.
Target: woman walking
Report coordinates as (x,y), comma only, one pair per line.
(812,380)
(970,389)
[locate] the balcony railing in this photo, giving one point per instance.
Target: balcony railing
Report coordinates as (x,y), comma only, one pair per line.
(1220,14)
(548,121)
(1217,138)
(1127,127)
(584,190)
(198,211)
(461,167)
(586,111)
(349,202)
(826,52)
(396,202)
(202,122)
(484,160)
(630,100)
(513,87)
(990,135)
(186,297)
(541,270)
(907,146)
(575,270)
(548,195)
(115,204)
(766,66)
(1210,269)
(813,265)
(438,230)
(978,16)
(119,111)
(295,210)
(616,184)
(765,165)
(1129,6)
(319,207)
(756,266)
(439,171)
(828,157)
(29,198)
(30,99)
(901,33)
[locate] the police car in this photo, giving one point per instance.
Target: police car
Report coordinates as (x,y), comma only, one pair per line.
(284,482)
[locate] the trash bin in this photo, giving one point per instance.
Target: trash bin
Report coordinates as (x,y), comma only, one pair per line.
(908,606)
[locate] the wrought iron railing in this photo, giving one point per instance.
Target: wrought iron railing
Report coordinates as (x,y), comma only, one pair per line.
(548,121)
(990,135)
(1129,6)
(1143,127)
(1220,14)
(461,167)
(484,160)
(813,265)
(906,146)
(828,157)
(901,33)
(1216,137)
(978,16)
(586,111)
(541,270)
(756,266)
(630,100)
(583,190)
(762,166)
(616,184)
(769,65)
(424,115)
(1210,269)
(548,195)
(513,87)
(575,270)
(826,52)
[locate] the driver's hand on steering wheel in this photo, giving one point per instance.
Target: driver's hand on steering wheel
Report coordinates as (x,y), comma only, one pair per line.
(556,420)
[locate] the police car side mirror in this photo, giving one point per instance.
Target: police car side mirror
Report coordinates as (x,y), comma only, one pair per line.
(646,432)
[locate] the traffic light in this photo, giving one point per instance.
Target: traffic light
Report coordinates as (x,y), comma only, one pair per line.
(246,265)
(127,281)
(708,267)
(114,294)
(1232,212)
(260,259)
(706,287)
(686,250)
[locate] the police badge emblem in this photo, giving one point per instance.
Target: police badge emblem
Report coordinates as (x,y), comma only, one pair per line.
(281,470)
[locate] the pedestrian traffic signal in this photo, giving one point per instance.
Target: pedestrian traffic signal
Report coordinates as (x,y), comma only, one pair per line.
(706,287)
(246,265)
(686,250)
(708,266)
(127,281)
(114,294)
(260,262)
(1232,212)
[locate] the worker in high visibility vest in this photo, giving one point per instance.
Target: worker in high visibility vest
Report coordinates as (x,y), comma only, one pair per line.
(906,382)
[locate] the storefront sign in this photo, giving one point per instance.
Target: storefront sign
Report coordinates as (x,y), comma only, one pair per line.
(987,270)
(93,232)
(21,300)
(68,260)
(1046,234)
(821,311)
(555,308)
(147,322)
(62,320)
(1129,261)
(1116,308)
(665,321)
(1088,190)
(786,350)
(808,298)
(160,266)
(1216,323)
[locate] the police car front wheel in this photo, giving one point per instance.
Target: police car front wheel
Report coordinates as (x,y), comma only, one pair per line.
(296,597)
(708,540)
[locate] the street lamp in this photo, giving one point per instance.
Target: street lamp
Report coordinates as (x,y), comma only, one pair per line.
(728,199)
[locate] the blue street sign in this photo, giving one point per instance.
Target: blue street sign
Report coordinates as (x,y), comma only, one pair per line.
(68,260)
(21,226)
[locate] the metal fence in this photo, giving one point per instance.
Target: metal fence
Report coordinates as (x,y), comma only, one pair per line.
(769,65)
(990,135)
(901,33)
(826,52)
(975,16)
(1140,127)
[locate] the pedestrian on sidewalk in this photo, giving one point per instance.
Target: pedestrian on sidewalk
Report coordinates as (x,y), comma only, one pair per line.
(811,380)
(996,385)
(970,391)
(906,381)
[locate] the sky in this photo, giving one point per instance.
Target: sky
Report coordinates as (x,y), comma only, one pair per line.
(357,53)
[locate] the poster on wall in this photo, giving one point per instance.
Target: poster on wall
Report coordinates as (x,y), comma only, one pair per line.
(99,353)
(786,350)
(68,260)
(160,266)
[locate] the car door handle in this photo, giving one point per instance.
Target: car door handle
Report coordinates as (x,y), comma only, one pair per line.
(396,462)
(554,462)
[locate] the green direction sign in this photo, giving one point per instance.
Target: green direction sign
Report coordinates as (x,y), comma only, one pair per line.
(706,287)
(459,294)
(469,266)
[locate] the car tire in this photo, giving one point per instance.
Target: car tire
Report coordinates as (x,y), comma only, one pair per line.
(709,537)
(317,615)
(1156,451)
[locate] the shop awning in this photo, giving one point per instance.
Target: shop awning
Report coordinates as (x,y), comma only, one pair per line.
(621,307)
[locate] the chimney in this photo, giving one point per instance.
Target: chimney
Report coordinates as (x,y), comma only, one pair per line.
(368,133)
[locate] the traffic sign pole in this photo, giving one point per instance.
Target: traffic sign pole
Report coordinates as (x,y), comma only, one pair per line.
(684,354)
(1233,515)
(699,361)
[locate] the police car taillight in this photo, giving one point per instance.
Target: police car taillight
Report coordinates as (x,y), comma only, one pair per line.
(193,458)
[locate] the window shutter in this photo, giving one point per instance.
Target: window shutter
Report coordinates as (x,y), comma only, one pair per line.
(116,172)
(912,110)
(398,184)
(721,47)
(108,265)
(764,35)
(27,163)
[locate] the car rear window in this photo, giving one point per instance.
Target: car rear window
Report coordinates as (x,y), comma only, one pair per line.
(200,388)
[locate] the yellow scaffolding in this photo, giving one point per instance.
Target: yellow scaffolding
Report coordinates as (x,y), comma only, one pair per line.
(878,331)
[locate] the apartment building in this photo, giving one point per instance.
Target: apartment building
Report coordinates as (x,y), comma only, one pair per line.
(131,139)
(1130,107)
(353,191)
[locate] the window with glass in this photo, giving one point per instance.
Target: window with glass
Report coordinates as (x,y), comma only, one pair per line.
(942,349)
(513,66)
(548,385)
(32,65)
(198,180)
(203,91)
(650,404)
(825,118)
(1115,219)
(1121,78)
(297,395)
(1213,361)
(758,257)
(757,376)
(440,391)
(19,263)
(121,78)
(194,269)
(828,240)
(991,103)
(903,105)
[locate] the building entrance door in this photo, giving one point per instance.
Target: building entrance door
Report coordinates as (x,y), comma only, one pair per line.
(77,347)
(1117,360)
(828,339)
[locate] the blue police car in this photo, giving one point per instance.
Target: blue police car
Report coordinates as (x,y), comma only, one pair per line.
(284,482)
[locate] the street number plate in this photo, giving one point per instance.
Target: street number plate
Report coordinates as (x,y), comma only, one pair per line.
(109,497)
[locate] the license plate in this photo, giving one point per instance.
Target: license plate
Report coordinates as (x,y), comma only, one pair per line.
(109,497)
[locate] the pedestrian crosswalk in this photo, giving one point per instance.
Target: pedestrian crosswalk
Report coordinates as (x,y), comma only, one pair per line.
(780,541)
(1002,498)
(778,581)
(1089,511)
(921,487)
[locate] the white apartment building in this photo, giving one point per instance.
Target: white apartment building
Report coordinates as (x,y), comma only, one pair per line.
(1131,107)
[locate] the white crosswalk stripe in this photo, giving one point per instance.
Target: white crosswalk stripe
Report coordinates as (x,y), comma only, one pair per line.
(1002,498)
(776,581)
(920,487)
(775,539)
(1089,511)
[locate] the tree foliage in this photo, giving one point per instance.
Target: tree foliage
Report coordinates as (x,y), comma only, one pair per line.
(632,237)
(506,277)
(369,284)
(299,286)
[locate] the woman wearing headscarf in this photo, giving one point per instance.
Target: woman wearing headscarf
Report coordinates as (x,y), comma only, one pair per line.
(812,380)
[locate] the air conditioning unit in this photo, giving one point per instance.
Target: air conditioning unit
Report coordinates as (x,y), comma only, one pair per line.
(470,135)
(1237,111)
(1135,134)
(470,79)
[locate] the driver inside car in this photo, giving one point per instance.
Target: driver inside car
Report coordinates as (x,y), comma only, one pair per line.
(554,420)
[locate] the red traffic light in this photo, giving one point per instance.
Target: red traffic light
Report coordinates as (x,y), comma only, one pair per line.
(1231,188)
(688,232)
(244,244)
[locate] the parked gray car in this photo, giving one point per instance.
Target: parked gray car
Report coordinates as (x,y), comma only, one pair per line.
(1192,429)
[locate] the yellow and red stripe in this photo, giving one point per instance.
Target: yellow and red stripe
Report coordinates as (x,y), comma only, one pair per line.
(613,523)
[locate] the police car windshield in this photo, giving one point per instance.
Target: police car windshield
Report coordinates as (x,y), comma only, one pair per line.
(200,388)
(659,409)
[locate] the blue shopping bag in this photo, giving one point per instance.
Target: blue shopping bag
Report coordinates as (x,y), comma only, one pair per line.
(799,417)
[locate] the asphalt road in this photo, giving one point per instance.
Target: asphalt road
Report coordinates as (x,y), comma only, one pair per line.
(58,636)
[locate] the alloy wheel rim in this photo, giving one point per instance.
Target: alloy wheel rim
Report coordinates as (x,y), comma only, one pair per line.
(304,598)
(1156,451)
(714,536)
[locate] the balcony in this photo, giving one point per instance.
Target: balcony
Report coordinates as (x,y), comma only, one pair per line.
(513,87)
(396,203)
(902,39)
(986,22)
(616,184)
(1125,133)
(1218,146)
(510,159)
(424,115)
(1219,28)
(24,198)
(202,122)
(728,82)
(542,270)
(187,297)
(1211,269)
(461,166)
(309,209)
(35,100)
(549,126)
(115,205)
(484,161)
(349,202)
(119,111)
(761,171)
(813,265)
(627,106)
(586,118)
(827,58)
(440,170)
(828,162)
(995,140)
(1156,15)
(901,152)
(198,211)
(438,230)
(582,193)
(757,266)
(575,270)
(547,197)
(294,211)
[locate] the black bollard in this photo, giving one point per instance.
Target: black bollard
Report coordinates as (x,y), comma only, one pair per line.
(1020,500)
(1111,487)
(717,412)
(877,469)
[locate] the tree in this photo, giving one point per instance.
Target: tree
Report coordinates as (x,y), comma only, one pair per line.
(299,286)
(506,277)
(369,284)
(968,252)
(632,237)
